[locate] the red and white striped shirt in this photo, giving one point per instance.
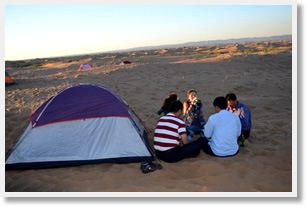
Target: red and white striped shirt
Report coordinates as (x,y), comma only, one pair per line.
(168,132)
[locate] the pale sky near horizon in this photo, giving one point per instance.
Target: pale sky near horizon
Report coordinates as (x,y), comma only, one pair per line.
(33,31)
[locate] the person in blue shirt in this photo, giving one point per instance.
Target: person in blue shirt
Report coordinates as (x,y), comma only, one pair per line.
(242,111)
(221,131)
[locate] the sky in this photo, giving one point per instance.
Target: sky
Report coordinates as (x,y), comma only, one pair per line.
(40,31)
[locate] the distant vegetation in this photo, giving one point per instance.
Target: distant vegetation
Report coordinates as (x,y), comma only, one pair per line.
(69,60)
(48,62)
(266,50)
(209,52)
(37,65)
(278,49)
(247,51)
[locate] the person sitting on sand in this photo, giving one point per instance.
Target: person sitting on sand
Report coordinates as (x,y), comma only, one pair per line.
(223,129)
(193,114)
(244,114)
(169,132)
(166,104)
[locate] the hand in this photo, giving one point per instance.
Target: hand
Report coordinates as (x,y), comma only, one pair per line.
(193,100)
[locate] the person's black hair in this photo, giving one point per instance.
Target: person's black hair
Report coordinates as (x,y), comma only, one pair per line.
(221,102)
(166,104)
(172,96)
(176,106)
(231,97)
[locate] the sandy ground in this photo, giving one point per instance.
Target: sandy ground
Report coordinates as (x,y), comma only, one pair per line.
(260,79)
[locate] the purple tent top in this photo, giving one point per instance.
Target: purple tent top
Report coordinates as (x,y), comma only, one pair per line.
(85,66)
(80,102)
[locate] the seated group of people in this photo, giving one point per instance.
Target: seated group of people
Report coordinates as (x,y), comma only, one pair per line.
(219,136)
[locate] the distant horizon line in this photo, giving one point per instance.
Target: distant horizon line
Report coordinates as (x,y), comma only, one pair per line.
(186,44)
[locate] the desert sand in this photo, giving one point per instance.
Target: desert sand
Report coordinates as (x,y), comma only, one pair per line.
(260,74)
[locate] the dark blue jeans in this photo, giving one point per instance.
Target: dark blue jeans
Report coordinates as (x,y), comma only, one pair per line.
(246,133)
(207,149)
(176,154)
(192,130)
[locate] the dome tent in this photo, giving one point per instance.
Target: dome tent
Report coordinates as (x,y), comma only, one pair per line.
(85,67)
(81,124)
(9,80)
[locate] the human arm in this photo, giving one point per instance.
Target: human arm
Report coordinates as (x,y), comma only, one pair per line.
(209,128)
(245,116)
(238,126)
(184,139)
(183,133)
(185,108)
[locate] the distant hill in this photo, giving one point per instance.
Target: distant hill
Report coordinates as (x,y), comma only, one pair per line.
(208,43)
(173,46)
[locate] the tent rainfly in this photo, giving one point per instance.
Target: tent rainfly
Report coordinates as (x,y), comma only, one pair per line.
(81,124)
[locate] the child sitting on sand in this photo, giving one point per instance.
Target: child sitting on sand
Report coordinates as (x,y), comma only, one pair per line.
(166,104)
(193,114)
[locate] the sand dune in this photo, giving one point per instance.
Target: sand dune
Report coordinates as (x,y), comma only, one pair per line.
(261,79)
